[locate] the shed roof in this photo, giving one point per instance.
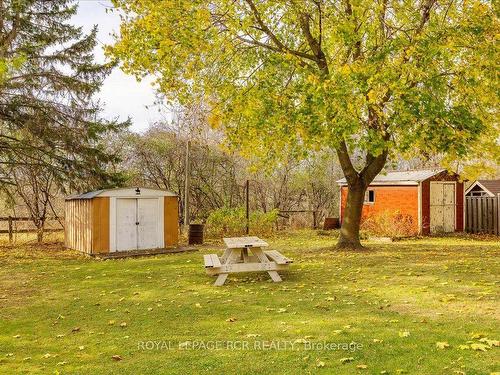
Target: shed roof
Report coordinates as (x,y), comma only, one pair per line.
(401,177)
(130,191)
(492,187)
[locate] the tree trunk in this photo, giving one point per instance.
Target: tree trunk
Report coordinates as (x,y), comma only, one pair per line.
(39,235)
(40,229)
(357,183)
(349,232)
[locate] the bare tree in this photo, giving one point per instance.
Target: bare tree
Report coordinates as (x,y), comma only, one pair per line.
(36,187)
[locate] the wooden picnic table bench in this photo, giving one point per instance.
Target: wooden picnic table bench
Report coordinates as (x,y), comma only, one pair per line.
(245,254)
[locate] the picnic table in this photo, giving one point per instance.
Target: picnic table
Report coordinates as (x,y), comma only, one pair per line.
(245,254)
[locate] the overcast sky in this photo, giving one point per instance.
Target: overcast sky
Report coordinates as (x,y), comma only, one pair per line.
(121,94)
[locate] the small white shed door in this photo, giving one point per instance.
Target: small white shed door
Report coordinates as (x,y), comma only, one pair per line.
(126,228)
(137,223)
(147,217)
(442,202)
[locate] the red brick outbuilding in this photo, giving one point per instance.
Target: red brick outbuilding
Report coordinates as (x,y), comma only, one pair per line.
(433,200)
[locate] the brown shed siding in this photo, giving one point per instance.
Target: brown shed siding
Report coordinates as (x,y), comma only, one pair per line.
(171,221)
(426,206)
(100,225)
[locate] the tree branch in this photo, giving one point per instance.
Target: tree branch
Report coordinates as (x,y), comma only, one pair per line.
(350,172)
(280,45)
(373,167)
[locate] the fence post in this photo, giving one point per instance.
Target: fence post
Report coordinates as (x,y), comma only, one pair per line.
(11,235)
(498,215)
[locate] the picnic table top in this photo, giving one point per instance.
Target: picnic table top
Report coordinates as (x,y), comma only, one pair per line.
(242,242)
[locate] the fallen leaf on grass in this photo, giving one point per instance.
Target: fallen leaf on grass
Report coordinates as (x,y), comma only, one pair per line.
(477,335)
(346,360)
(442,345)
(231,319)
(76,329)
(123,324)
(479,347)
(404,333)
(489,342)
(362,367)
(320,364)
(117,357)
(16,336)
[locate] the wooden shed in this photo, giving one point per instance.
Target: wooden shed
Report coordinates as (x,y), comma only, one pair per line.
(432,200)
(484,188)
(125,219)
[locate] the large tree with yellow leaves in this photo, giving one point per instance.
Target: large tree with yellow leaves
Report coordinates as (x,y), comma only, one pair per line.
(284,77)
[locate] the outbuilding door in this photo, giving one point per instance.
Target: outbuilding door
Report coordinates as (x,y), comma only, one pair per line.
(442,207)
(136,223)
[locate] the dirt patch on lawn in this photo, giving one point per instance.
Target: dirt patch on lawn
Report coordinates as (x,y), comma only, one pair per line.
(30,251)
(16,289)
(20,277)
(471,309)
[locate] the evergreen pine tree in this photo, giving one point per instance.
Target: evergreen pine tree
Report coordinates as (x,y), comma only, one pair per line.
(48,81)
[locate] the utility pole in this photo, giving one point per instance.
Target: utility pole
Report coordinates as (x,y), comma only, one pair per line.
(186,187)
(247,207)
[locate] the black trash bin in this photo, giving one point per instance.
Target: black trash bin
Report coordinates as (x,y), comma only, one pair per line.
(331,223)
(195,236)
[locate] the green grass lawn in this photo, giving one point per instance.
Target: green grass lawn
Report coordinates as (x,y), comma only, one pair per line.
(63,313)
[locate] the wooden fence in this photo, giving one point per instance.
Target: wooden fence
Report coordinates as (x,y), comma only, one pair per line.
(482,215)
(11,228)
(286,214)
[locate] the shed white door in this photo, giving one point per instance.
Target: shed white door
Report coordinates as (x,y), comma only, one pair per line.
(137,223)
(442,207)
(126,228)
(147,217)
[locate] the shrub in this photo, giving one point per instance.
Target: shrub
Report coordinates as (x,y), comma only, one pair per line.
(232,222)
(390,224)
